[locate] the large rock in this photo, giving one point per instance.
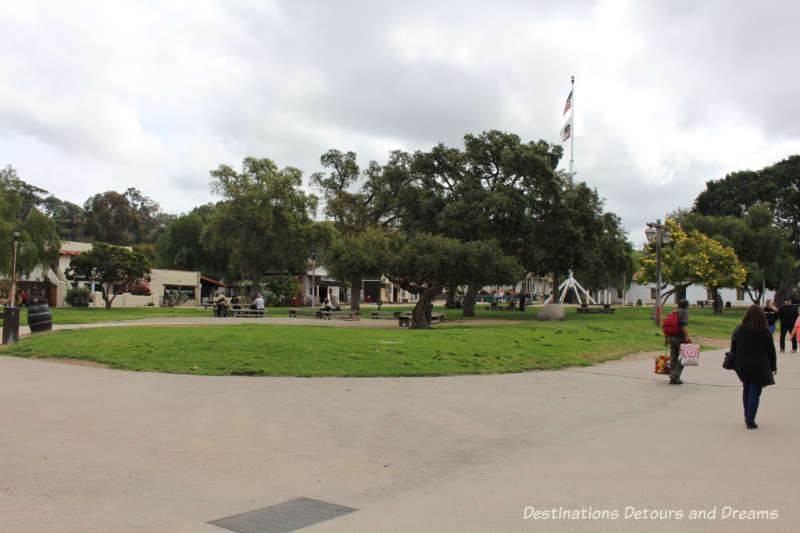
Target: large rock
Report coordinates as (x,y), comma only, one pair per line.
(551,312)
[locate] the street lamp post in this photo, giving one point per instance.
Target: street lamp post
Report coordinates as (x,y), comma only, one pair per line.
(657,232)
(15,233)
(313,276)
(11,312)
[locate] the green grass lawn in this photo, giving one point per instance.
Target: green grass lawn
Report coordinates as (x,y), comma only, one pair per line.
(92,315)
(519,344)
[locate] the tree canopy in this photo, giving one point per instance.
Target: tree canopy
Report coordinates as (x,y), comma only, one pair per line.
(694,258)
(38,244)
(108,265)
(262,224)
(777,185)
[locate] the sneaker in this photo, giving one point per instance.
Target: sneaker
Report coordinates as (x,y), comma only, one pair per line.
(675,381)
(752,425)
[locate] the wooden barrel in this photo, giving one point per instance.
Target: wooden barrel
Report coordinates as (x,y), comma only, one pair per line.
(39,318)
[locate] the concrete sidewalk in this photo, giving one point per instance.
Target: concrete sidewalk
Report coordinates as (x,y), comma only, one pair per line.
(94,450)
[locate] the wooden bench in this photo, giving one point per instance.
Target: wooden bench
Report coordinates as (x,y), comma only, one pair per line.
(598,309)
(246,313)
(347,315)
(340,315)
(302,313)
(383,315)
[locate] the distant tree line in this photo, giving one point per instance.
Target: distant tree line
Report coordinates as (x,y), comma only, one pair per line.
(446,219)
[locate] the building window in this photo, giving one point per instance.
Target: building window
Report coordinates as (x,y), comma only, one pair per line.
(652,294)
(740,294)
(620,293)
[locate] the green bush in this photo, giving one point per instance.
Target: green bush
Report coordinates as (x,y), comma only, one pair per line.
(78,297)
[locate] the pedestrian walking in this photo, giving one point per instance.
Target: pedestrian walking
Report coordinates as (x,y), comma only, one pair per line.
(787,314)
(675,341)
(772,315)
(754,360)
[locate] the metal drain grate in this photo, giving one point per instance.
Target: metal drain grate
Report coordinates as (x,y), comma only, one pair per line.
(284,517)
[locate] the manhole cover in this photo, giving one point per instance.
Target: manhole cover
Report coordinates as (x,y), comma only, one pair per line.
(289,516)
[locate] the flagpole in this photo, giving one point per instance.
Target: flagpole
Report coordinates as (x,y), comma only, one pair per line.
(572,131)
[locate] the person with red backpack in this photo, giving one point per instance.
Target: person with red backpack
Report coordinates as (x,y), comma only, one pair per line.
(675,333)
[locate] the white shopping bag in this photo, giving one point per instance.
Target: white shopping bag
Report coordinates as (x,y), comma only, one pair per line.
(690,354)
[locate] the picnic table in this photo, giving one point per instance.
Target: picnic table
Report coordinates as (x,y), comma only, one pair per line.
(403,320)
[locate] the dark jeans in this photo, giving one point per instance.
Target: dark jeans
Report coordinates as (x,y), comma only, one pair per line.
(784,331)
(751,393)
(676,368)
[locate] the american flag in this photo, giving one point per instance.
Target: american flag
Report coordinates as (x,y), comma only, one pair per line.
(568,104)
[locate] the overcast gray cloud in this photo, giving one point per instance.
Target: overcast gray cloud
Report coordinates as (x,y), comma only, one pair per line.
(98,96)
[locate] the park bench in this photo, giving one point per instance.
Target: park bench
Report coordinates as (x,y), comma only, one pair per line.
(383,315)
(305,313)
(605,308)
(340,315)
(246,313)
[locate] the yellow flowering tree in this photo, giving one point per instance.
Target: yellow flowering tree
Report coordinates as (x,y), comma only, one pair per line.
(693,258)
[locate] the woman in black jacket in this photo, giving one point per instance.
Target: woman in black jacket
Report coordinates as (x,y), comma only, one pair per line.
(755,360)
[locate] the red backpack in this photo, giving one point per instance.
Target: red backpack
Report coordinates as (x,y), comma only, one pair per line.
(670,325)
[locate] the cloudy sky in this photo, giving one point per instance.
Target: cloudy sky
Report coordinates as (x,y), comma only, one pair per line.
(98,96)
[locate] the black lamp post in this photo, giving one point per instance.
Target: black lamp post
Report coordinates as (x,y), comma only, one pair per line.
(313,275)
(15,234)
(11,312)
(657,232)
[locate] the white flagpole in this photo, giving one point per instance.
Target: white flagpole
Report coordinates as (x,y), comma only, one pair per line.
(572,131)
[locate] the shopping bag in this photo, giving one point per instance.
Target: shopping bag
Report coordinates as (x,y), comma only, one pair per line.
(690,354)
(663,363)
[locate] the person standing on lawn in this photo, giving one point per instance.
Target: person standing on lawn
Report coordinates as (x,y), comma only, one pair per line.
(755,361)
(675,341)
(787,314)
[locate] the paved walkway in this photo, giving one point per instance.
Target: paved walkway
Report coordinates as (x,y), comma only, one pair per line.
(94,450)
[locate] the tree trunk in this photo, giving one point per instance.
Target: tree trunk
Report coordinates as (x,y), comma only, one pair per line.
(255,283)
(451,298)
(718,303)
(421,315)
(107,288)
(355,294)
(680,293)
(754,298)
(555,288)
(469,300)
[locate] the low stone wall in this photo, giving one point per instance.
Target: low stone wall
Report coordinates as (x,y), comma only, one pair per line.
(125,299)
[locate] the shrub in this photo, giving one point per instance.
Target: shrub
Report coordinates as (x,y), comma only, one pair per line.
(78,297)
(141,288)
(173,299)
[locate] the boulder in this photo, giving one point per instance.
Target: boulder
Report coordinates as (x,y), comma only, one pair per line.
(551,312)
